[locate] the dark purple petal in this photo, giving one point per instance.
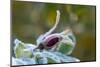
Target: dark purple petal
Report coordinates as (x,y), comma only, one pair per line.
(52,42)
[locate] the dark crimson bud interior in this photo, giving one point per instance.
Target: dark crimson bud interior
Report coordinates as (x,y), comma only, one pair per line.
(52,42)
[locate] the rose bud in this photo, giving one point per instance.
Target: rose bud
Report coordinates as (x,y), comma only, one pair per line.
(48,40)
(51,41)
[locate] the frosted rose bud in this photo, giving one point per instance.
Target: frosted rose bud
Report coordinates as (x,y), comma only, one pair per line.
(50,41)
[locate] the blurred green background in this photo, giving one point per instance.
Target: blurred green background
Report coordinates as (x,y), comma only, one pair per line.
(30,19)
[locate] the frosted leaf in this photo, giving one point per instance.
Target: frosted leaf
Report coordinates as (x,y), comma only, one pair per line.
(22,61)
(52,56)
(29,61)
(23,49)
(30,46)
(16,62)
(65,58)
(68,42)
(40,58)
(65,47)
(28,50)
(17,43)
(19,46)
(68,36)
